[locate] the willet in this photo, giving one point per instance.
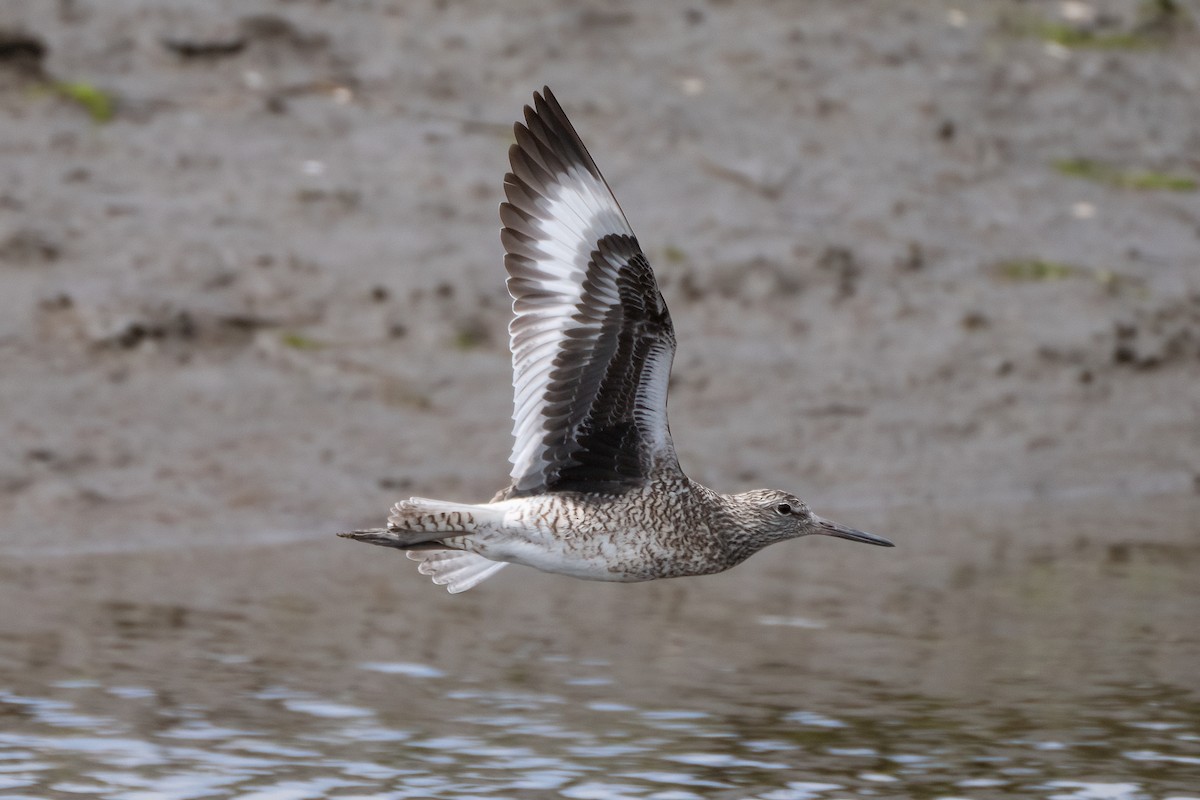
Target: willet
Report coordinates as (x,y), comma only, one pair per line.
(596,491)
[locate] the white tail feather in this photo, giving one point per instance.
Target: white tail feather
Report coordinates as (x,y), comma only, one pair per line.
(454,569)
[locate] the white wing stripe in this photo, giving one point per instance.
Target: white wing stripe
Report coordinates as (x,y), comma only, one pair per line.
(559,213)
(577,215)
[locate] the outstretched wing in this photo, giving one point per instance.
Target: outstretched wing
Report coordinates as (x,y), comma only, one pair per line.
(591,339)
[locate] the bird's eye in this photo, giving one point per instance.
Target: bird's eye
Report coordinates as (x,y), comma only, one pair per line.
(783,508)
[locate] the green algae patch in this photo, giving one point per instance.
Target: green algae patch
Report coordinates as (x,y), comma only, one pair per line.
(298,341)
(1144,180)
(1073,37)
(1155,24)
(673,254)
(95,101)
(1042,270)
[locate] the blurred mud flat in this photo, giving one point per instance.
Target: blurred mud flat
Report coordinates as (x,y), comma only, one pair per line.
(933,265)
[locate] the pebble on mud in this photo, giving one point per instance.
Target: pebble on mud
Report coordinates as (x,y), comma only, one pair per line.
(974,320)
(842,262)
(29,246)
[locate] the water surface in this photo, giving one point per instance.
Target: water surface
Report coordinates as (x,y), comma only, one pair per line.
(1058,667)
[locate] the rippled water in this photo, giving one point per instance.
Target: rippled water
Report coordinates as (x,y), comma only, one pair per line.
(85,738)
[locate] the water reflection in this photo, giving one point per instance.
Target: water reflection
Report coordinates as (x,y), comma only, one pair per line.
(526,744)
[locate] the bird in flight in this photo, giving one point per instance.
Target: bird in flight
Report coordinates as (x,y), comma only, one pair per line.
(596,490)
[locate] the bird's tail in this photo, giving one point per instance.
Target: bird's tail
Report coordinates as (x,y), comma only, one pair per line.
(419,523)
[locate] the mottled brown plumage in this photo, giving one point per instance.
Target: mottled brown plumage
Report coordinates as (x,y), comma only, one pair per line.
(596,491)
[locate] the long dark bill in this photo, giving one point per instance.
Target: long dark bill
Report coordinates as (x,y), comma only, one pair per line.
(830,528)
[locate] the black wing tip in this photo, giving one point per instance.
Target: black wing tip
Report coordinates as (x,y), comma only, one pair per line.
(547,134)
(543,103)
(546,104)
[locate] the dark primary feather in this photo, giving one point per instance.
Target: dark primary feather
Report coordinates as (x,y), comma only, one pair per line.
(592,338)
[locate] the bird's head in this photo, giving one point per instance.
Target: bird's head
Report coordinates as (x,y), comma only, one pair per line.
(770,516)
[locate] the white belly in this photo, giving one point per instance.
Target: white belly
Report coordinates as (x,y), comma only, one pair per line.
(554,542)
(597,559)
